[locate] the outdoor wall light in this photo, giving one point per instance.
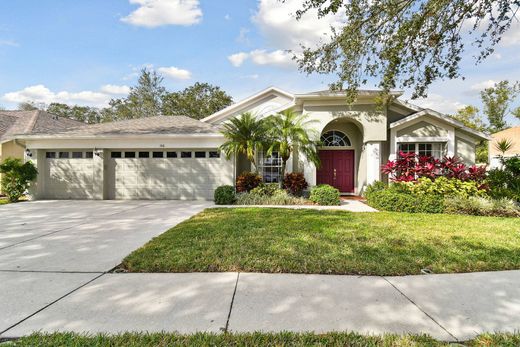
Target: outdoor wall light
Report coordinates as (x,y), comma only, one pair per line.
(28,153)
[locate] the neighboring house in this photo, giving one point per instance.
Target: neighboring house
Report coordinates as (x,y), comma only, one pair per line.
(26,122)
(174,157)
(512,134)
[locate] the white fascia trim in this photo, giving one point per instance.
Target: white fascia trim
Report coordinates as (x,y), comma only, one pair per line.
(432,113)
(245,101)
(406,104)
(333,95)
(115,137)
(279,109)
(407,139)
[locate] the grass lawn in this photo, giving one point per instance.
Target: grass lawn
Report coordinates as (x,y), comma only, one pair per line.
(331,242)
(253,339)
(3,201)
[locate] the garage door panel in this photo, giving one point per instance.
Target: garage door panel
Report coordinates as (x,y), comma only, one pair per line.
(69,179)
(169,178)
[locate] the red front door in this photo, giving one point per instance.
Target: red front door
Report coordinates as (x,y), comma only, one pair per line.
(337,169)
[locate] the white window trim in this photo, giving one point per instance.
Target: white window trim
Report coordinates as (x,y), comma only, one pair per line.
(261,166)
(422,142)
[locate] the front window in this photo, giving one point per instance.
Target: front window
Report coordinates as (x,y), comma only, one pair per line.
(270,167)
(335,138)
(436,150)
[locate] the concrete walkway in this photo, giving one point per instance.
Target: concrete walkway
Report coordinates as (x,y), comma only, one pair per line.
(448,307)
(346,205)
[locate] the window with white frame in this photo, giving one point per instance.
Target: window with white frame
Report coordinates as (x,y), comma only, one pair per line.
(435,149)
(270,167)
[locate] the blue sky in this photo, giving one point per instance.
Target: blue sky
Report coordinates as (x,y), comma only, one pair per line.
(87,51)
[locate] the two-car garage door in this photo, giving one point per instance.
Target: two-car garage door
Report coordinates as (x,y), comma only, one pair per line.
(144,174)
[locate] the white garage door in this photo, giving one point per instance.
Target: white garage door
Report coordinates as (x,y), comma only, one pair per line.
(167,174)
(69,174)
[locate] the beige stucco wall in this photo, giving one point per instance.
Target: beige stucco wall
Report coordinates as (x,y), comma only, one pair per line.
(11,150)
(423,129)
(372,122)
(259,107)
(511,134)
(465,150)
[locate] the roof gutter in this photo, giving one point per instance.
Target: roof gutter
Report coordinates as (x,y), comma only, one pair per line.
(116,137)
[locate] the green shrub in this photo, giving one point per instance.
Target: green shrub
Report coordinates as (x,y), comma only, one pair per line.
(248,181)
(266,189)
(478,206)
(225,195)
(16,177)
(445,187)
(396,201)
(279,197)
(325,195)
(377,186)
(505,183)
(512,165)
(295,183)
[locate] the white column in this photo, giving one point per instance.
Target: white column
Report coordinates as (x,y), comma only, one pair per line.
(373,157)
(451,142)
(309,171)
(393,144)
(37,187)
(100,156)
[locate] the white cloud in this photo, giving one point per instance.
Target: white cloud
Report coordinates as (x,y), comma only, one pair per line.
(10,43)
(115,90)
(155,13)
(175,73)
(251,77)
(41,94)
(439,103)
(227,17)
(512,36)
(277,21)
(242,36)
(262,57)
(238,59)
(277,58)
(482,85)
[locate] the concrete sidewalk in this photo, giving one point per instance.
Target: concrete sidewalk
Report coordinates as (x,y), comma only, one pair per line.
(448,307)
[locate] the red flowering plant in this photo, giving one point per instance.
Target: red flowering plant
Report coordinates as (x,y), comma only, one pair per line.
(409,168)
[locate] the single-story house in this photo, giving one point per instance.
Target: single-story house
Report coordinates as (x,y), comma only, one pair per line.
(18,123)
(512,135)
(175,157)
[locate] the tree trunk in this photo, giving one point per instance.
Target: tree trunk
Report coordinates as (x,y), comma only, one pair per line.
(284,165)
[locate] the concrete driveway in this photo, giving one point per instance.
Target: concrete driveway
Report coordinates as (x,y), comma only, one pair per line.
(50,248)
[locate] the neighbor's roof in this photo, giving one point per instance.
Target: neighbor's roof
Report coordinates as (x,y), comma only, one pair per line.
(29,122)
(159,125)
(512,134)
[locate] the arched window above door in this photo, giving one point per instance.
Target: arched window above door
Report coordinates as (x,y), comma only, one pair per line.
(334,138)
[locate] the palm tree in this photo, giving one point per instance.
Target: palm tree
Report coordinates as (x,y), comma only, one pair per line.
(244,135)
(503,145)
(289,132)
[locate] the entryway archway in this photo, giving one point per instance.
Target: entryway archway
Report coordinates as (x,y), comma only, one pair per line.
(340,150)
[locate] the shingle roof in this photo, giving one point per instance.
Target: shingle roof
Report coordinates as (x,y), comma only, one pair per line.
(29,122)
(159,125)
